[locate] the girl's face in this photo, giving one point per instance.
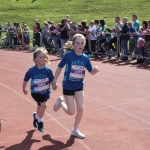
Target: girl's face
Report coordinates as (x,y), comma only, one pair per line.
(79,45)
(41,59)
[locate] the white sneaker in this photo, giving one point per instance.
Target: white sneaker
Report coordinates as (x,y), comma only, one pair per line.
(57,104)
(77,134)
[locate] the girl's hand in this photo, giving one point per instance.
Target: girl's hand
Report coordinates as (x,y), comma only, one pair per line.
(95,70)
(54,85)
(25,91)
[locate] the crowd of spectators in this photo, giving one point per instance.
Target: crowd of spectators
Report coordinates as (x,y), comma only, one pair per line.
(124,39)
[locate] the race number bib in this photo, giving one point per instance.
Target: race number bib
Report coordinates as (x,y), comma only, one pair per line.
(77,73)
(41,84)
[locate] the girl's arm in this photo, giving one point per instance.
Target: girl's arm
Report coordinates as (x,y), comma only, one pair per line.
(94,70)
(25,91)
(57,73)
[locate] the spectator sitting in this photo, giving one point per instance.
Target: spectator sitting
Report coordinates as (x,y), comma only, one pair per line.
(139,48)
(107,35)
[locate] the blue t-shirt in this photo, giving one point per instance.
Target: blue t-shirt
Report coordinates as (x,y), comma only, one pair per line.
(74,70)
(108,37)
(40,80)
(131,30)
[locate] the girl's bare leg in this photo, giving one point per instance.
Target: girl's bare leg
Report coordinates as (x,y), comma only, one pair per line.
(79,98)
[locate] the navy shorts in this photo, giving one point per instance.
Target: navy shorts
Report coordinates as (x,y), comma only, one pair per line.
(38,98)
(71,92)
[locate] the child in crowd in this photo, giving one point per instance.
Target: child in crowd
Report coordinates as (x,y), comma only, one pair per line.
(107,36)
(131,32)
(41,77)
(68,18)
(139,48)
(76,64)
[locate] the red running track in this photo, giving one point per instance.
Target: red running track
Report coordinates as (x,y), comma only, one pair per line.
(116,115)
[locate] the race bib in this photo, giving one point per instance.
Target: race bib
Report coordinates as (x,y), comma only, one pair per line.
(41,84)
(77,73)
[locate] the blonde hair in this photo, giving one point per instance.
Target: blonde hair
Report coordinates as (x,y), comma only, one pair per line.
(76,36)
(41,50)
(69,45)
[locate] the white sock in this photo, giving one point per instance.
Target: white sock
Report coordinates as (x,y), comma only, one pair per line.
(40,119)
(36,116)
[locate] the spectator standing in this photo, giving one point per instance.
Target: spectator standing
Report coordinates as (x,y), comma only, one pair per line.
(52,40)
(131,32)
(92,38)
(116,32)
(64,34)
(124,38)
(46,35)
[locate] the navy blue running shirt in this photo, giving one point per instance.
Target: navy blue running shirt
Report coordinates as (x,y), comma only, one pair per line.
(40,80)
(74,70)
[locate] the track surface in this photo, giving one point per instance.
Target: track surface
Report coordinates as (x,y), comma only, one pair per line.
(116,115)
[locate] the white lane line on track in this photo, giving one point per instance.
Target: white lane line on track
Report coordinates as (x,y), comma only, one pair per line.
(113,84)
(117,85)
(92,79)
(94,62)
(109,106)
(59,123)
(114,106)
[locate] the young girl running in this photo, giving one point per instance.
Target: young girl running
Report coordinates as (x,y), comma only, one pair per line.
(41,78)
(76,64)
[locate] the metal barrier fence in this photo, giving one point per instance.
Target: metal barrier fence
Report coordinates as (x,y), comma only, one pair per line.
(122,45)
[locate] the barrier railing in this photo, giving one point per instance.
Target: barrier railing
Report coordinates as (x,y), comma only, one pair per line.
(118,44)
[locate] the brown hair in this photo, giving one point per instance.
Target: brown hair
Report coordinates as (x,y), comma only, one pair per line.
(38,51)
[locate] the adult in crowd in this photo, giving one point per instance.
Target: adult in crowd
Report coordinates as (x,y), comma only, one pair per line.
(46,35)
(116,34)
(26,35)
(124,38)
(37,39)
(136,26)
(9,34)
(103,30)
(0,33)
(84,31)
(64,34)
(52,40)
(147,40)
(92,38)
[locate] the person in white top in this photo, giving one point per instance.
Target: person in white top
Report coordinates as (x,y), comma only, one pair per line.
(92,37)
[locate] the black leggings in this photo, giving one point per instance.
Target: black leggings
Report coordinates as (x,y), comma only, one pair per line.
(93,44)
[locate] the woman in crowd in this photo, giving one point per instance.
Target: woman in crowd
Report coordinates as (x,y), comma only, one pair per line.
(46,35)
(92,38)
(37,35)
(64,34)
